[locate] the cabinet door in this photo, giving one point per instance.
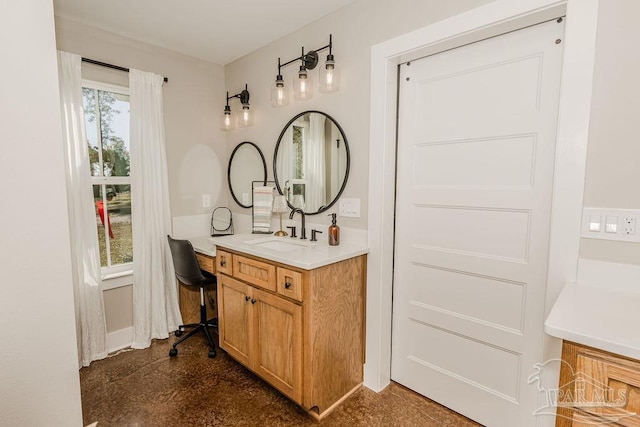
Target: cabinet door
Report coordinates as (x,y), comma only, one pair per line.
(277,342)
(234,325)
(609,389)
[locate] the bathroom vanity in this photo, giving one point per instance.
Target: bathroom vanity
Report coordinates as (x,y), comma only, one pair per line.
(293,312)
(598,320)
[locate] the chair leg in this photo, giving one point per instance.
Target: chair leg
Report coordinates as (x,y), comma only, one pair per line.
(189,334)
(203,325)
(189,325)
(212,347)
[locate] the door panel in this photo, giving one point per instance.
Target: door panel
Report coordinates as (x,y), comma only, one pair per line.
(278,343)
(476,153)
(234,315)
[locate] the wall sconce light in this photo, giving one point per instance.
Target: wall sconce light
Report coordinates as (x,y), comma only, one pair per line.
(302,82)
(244,119)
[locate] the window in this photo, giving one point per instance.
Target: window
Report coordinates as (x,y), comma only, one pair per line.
(106,111)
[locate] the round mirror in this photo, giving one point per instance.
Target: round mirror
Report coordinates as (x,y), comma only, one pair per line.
(311,162)
(245,166)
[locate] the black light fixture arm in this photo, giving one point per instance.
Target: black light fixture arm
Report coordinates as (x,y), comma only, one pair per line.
(243,96)
(310,59)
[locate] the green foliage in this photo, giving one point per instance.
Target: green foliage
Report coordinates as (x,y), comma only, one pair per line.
(115,155)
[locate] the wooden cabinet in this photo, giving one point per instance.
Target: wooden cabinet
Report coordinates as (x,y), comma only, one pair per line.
(189,296)
(598,388)
(302,331)
(277,342)
(234,307)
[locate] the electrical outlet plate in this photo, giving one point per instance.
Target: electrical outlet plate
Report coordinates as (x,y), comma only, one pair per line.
(629,225)
(610,224)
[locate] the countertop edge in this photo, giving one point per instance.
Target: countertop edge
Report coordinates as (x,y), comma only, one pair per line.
(294,263)
(562,318)
(314,260)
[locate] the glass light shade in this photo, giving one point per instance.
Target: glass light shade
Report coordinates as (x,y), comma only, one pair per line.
(279,93)
(245,117)
(329,76)
(303,85)
(226,121)
(280,204)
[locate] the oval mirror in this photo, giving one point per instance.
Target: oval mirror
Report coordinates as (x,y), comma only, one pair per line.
(245,166)
(311,162)
(221,222)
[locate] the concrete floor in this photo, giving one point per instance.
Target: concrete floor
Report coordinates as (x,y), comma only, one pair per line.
(148,388)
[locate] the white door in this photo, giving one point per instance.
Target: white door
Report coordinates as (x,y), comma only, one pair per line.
(476,149)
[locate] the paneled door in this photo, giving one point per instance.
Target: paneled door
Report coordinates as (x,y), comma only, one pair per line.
(476,150)
(278,342)
(235,327)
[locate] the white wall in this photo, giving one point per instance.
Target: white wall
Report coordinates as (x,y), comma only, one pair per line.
(39,383)
(613,172)
(193,99)
(355,29)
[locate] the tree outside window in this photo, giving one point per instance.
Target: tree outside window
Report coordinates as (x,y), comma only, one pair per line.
(107,126)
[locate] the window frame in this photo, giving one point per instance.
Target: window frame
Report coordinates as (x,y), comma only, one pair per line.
(114,275)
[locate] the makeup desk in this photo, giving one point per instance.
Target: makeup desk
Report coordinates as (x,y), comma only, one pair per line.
(189,296)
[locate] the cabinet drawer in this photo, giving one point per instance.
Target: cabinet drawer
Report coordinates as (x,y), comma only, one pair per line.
(289,283)
(609,387)
(255,272)
(224,262)
(207,263)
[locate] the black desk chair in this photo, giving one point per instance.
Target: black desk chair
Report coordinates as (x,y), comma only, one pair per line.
(188,272)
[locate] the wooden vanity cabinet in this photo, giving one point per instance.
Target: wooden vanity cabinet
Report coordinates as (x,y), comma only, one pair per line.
(189,296)
(302,331)
(598,388)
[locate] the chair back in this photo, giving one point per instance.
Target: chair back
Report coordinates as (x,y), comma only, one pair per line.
(185,262)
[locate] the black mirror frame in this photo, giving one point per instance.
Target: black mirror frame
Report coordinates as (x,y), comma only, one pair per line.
(346,173)
(225,232)
(264,167)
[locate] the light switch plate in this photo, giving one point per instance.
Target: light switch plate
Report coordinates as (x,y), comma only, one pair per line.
(206,200)
(595,223)
(349,208)
(610,224)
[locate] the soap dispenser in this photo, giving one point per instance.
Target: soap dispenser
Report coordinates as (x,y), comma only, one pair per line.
(334,231)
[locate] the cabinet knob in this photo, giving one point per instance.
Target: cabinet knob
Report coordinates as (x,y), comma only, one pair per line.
(253,301)
(247,298)
(287,285)
(223,263)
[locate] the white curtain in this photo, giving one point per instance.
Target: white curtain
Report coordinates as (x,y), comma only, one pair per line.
(155,293)
(314,163)
(85,254)
(286,161)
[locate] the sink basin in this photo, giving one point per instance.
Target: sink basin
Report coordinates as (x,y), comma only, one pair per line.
(279,244)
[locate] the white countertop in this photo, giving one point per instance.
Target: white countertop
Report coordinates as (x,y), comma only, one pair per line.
(598,317)
(314,255)
(203,245)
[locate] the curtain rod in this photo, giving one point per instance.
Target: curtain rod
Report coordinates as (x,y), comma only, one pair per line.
(115,67)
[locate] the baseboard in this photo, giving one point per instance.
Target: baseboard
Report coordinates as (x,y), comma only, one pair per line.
(117,340)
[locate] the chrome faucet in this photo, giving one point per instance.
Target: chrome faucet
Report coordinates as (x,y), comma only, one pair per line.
(303,232)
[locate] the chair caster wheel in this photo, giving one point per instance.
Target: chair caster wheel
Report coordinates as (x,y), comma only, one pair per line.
(178,333)
(173,352)
(212,354)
